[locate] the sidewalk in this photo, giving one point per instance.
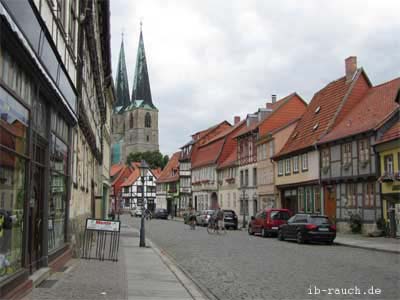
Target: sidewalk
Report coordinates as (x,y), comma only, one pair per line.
(370,243)
(140,273)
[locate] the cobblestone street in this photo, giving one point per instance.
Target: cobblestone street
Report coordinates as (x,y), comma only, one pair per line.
(239,266)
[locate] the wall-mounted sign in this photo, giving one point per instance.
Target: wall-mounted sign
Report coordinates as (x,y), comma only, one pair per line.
(102,225)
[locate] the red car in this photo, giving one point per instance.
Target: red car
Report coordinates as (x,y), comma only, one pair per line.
(267,221)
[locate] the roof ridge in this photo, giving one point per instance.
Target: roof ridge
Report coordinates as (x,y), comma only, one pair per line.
(387,82)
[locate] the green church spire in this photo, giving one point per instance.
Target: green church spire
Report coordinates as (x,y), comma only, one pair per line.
(122,93)
(141,83)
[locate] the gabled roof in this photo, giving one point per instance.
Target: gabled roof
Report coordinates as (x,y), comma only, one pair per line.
(371,110)
(228,154)
(320,114)
(171,170)
(115,169)
(393,133)
(156,172)
(283,111)
(208,154)
(135,174)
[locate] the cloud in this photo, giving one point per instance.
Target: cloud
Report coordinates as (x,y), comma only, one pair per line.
(210,60)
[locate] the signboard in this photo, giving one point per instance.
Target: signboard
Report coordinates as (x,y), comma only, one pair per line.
(102,225)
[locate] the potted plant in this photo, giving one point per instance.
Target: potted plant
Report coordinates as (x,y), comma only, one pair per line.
(355,223)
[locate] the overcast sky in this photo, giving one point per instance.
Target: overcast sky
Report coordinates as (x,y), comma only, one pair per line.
(211,59)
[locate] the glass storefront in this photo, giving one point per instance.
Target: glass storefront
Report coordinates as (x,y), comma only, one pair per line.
(13,147)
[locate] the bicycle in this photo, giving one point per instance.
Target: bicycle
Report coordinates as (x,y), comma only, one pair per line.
(213,227)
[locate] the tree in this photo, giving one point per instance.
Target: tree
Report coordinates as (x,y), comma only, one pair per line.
(154,158)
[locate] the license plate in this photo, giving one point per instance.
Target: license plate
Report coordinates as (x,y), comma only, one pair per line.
(274,227)
(323,229)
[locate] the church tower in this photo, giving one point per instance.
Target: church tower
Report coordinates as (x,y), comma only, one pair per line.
(135,120)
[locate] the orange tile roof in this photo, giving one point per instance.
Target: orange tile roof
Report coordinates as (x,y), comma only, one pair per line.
(168,175)
(156,172)
(296,108)
(208,154)
(228,154)
(115,169)
(132,177)
(319,115)
(393,133)
(370,111)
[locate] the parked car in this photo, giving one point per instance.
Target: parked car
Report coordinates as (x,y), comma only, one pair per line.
(203,218)
(137,212)
(160,213)
(267,221)
(307,228)
(230,219)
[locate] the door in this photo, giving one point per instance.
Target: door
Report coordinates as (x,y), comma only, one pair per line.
(330,203)
(35,221)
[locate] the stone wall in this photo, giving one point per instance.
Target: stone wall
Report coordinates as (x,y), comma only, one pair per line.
(76,230)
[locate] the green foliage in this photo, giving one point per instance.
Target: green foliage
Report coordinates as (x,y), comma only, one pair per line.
(355,223)
(154,158)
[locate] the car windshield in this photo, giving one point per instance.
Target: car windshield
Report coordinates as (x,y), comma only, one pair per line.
(280,215)
(228,213)
(319,220)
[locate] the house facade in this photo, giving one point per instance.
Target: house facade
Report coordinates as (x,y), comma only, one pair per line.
(168,187)
(349,162)
(54,95)
(388,148)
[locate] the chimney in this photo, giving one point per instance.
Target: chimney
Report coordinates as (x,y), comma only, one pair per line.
(351,67)
(236,120)
(273,98)
(268,105)
(251,119)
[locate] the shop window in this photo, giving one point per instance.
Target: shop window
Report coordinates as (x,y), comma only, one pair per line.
(300,198)
(13,189)
(308,198)
(317,199)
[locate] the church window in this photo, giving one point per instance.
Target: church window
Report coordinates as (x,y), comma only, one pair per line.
(147,120)
(147,138)
(131,120)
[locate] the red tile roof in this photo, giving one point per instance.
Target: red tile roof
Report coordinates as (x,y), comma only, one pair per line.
(321,112)
(228,155)
(289,108)
(370,111)
(208,154)
(171,170)
(393,133)
(115,169)
(135,174)
(156,172)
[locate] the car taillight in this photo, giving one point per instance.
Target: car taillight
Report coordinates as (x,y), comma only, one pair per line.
(311,226)
(333,227)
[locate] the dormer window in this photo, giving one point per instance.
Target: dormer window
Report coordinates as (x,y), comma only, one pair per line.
(317,109)
(315,126)
(295,135)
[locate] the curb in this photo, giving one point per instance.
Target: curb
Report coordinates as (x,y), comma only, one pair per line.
(367,248)
(196,291)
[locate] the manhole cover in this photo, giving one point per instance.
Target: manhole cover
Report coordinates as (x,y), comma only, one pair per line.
(47,284)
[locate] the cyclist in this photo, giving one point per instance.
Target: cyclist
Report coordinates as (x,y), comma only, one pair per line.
(219,214)
(192,218)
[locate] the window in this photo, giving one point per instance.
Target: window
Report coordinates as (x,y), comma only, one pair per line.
(363,148)
(301,199)
(351,195)
(280,168)
(254,176)
(304,162)
(317,199)
(346,154)
(325,158)
(287,166)
(369,195)
(246,177)
(147,120)
(295,164)
(308,195)
(241,178)
(147,138)
(271,148)
(60,10)
(131,120)
(72,23)
(388,164)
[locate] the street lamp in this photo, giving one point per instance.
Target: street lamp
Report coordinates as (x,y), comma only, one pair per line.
(244,207)
(143,168)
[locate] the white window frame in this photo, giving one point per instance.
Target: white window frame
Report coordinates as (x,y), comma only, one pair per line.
(288,166)
(296,164)
(304,162)
(280,167)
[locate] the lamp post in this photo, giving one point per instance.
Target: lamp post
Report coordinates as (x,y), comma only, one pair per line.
(143,168)
(244,208)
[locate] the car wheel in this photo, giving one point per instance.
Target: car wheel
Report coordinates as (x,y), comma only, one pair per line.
(250,230)
(299,238)
(280,235)
(330,242)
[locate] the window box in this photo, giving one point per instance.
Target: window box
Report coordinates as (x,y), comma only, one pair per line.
(346,166)
(325,169)
(364,164)
(387,177)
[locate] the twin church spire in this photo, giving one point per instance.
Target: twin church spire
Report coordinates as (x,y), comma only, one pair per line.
(141,93)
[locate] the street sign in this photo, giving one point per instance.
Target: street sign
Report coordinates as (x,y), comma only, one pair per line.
(101,239)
